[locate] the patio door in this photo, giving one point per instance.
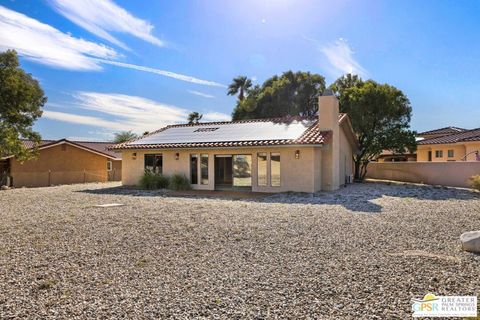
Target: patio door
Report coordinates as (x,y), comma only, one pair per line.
(233,171)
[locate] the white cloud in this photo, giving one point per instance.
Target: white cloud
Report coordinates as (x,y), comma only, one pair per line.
(102,17)
(201,94)
(341,60)
(44,44)
(78,119)
(126,112)
(165,73)
(216,116)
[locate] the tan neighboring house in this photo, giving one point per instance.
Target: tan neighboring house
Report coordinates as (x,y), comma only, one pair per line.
(303,154)
(63,162)
(449,144)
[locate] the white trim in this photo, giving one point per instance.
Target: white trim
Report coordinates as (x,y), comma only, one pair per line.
(223,148)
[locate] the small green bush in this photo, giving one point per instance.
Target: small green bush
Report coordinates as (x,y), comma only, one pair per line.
(179,182)
(475,182)
(151,181)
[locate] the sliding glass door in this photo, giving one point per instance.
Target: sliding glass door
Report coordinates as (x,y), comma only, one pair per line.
(242,170)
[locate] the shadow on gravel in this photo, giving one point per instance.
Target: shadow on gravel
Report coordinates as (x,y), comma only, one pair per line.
(356,197)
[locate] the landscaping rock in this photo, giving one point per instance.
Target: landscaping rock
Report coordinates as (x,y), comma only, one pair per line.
(4,188)
(471,241)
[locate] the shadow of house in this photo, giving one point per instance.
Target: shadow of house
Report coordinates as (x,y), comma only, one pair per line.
(355,197)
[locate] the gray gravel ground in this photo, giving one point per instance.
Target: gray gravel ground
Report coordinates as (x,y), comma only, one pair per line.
(361,252)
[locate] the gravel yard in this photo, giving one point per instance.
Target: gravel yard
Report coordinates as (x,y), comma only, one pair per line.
(361,252)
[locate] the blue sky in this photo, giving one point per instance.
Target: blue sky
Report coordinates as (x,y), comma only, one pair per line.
(138,65)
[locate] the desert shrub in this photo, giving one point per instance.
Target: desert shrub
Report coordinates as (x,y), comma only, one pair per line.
(151,180)
(179,182)
(475,182)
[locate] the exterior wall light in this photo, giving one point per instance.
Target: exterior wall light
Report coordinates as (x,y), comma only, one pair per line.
(177,156)
(297,154)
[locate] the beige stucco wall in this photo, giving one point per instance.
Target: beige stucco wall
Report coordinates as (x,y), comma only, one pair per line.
(458,149)
(346,157)
(301,175)
(55,166)
(437,173)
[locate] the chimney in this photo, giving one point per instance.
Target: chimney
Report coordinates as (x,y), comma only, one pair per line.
(328,111)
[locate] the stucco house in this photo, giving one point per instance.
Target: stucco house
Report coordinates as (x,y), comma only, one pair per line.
(303,154)
(449,144)
(62,162)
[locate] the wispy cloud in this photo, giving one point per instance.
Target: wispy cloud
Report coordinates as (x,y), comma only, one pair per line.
(341,58)
(216,116)
(79,119)
(165,73)
(103,17)
(44,44)
(125,112)
(201,94)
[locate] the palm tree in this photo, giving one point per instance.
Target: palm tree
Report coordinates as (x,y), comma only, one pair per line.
(239,85)
(194,117)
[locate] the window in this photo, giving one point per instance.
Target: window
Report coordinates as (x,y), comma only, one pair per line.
(275,169)
(154,163)
(262,169)
(204,168)
(109,165)
(438,153)
(451,154)
(194,168)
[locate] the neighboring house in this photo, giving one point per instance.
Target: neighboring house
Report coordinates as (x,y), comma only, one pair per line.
(266,155)
(63,162)
(389,156)
(461,145)
(439,132)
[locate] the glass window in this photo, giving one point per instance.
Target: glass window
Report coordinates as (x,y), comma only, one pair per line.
(451,154)
(275,169)
(109,165)
(204,168)
(262,169)
(242,170)
(194,168)
(438,153)
(154,163)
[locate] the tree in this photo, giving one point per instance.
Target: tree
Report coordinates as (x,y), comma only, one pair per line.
(124,136)
(292,93)
(240,85)
(21,102)
(380,116)
(194,117)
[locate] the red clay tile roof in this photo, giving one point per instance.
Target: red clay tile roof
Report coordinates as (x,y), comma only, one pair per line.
(311,136)
(101,147)
(446,130)
(468,135)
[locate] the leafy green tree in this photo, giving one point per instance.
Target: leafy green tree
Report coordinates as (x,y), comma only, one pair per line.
(194,117)
(21,102)
(240,85)
(124,136)
(292,93)
(380,116)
